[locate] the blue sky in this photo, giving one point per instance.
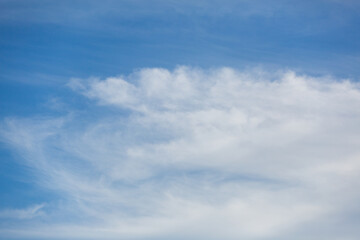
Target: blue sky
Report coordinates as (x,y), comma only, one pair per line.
(152,119)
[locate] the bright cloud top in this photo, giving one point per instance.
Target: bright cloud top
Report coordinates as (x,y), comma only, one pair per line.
(189,153)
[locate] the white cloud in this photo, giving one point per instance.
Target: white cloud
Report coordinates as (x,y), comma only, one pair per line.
(217,154)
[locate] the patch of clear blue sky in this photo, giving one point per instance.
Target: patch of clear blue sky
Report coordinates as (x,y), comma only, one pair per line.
(44,43)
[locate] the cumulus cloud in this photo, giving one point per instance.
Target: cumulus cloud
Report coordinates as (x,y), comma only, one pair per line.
(200,154)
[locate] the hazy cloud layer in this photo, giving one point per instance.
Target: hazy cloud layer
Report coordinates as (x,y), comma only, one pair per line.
(198,154)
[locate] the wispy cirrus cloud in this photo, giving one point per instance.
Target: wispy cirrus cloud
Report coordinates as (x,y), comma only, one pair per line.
(91,13)
(80,12)
(198,154)
(27,213)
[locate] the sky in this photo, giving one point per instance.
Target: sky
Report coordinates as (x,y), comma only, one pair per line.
(200,120)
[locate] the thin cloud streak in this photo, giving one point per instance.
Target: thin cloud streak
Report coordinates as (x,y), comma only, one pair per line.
(28,213)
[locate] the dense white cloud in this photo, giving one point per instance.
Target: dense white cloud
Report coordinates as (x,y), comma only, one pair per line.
(216,154)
